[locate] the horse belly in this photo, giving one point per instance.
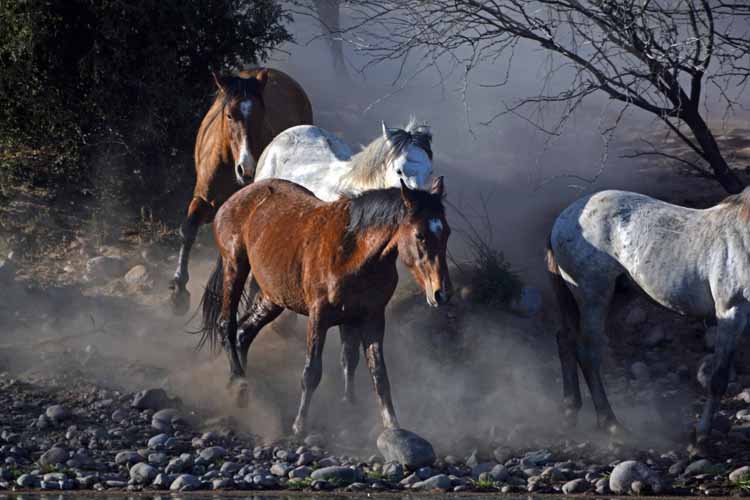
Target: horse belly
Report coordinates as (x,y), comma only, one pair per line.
(677,289)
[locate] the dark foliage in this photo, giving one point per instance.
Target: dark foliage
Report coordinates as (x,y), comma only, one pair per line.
(108,95)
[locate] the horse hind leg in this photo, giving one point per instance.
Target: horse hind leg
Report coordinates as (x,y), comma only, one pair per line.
(566,343)
(199,212)
(350,344)
(593,308)
(731,323)
(313,371)
(235,273)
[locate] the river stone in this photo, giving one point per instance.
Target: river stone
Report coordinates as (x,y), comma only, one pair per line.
(300,472)
(54,456)
(143,473)
(213,453)
(625,473)
(393,471)
(128,457)
(575,486)
(740,475)
(281,469)
(58,413)
(336,473)
(163,481)
(158,441)
(405,447)
(698,467)
(499,473)
(185,482)
(439,482)
(154,399)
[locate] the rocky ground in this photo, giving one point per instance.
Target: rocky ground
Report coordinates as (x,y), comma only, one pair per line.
(66,425)
(61,437)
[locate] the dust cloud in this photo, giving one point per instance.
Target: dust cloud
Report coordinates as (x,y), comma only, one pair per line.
(462,378)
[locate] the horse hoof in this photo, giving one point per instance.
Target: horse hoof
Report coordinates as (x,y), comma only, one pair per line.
(698,448)
(298,429)
(180,300)
(242,397)
(570,419)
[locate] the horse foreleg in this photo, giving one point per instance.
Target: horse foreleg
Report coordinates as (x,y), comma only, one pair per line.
(199,212)
(730,324)
(316,338)
(235,274)
(372,339)
(350,344)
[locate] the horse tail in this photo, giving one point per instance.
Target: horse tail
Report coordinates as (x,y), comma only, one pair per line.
(566,302)
(211,306)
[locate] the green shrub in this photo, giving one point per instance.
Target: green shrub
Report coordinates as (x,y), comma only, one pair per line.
(112,92)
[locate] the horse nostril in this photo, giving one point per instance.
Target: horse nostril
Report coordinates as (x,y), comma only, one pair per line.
(240,171)
(441,297)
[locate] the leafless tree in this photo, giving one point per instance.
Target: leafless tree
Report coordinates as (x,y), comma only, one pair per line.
(656,55)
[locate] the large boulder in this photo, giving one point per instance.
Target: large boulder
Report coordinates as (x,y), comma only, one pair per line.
(405,447)
(630,471)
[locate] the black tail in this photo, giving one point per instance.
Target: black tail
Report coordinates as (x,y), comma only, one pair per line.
(211,306)
(566,302)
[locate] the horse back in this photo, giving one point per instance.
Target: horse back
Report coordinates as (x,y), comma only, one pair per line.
(286,103)
(666,249)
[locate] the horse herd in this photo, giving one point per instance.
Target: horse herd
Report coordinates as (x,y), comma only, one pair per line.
(318,230)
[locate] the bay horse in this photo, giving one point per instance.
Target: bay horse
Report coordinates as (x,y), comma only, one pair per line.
(334,262)
(248,112)
(318,160)
(693,262)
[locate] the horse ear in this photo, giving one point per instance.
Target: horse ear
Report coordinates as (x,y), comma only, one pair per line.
(219,81)
(262,78)
(438,187)
(407,195)
(385,130)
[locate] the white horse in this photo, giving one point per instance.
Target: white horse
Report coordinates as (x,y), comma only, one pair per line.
(318,160)
(694,262)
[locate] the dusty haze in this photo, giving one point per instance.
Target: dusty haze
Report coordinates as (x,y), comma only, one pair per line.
(474,380)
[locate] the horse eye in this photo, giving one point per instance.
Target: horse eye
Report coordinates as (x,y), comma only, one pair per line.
(420,236)
(399,172)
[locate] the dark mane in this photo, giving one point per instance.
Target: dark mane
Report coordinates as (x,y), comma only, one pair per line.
(384,207)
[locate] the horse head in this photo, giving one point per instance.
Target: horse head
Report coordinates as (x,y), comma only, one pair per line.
(410,159)
(423,241)
(244,111)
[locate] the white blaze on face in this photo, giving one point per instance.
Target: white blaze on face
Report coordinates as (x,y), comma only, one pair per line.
(246,107)
(436,226)
(245,163)
(414,167)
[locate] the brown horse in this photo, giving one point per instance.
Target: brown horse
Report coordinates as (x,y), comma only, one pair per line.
(333,262)
(248,112)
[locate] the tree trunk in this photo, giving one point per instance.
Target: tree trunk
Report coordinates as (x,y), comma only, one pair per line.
(722,173)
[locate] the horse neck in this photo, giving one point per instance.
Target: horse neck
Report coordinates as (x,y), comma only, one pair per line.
(373,246)
(364,174)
